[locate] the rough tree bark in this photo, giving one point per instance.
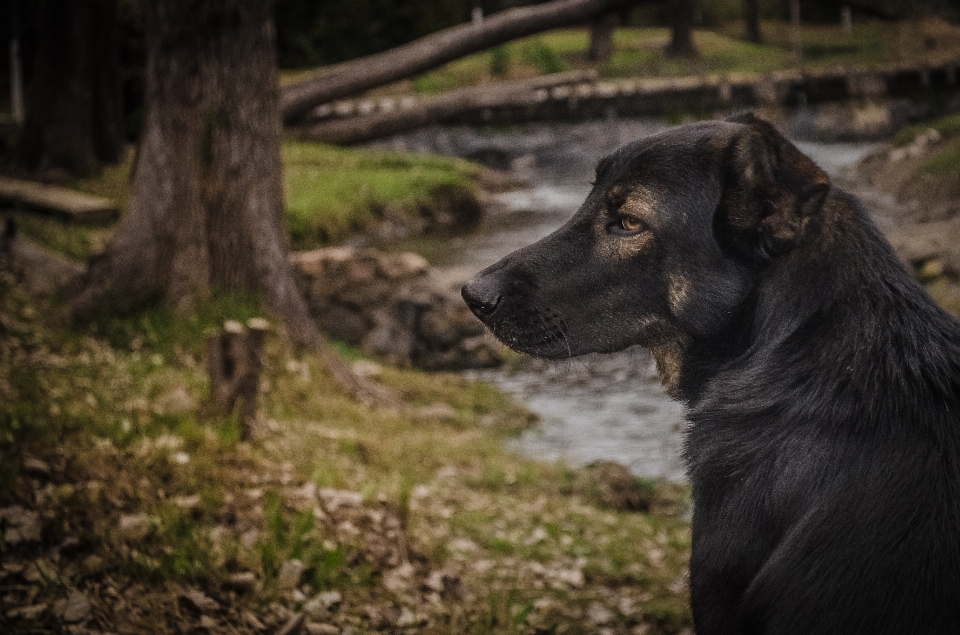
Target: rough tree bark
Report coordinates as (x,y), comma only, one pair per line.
(206,210)
(681,42)
(751,18)
(350,78)
(74,113)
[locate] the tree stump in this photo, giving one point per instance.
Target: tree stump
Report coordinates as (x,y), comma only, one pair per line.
(234,361)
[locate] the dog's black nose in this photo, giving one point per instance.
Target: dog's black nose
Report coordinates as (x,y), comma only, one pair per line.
(481,298)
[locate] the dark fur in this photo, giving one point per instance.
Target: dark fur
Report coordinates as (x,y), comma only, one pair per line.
(823,383)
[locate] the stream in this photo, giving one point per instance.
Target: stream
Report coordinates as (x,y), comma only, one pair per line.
(596,407)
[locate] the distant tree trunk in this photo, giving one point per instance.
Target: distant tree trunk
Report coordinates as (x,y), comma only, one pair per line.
(601,37)
(355,76)
(73,120)
(206,211)
(751,18)
(681,43)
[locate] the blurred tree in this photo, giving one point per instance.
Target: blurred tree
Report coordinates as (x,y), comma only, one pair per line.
(751,17)
(311,33)
(206,210)
(74,114)
(681,41)
(601,37)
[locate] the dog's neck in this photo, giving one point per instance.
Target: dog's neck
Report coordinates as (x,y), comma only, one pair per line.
(843,329)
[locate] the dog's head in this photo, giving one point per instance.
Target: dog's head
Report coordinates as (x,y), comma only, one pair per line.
(664,251)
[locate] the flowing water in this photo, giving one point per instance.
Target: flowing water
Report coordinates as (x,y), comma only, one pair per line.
(609,407)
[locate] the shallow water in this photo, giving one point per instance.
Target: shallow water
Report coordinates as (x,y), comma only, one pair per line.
(609,407)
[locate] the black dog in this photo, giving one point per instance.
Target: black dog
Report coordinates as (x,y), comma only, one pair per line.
(823,384)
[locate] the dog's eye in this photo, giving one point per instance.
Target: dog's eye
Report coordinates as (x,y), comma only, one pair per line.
(629,225)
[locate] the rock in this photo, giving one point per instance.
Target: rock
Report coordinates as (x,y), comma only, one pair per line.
(394,307)
(316,609)
(175,402)
(36,468)
(294,626)
(20,525)
(611,485)
(406,618)
(134,526)
(316,628)
(208,622)
(399,580)
(291,573)
(330,598)
(245,581)
(75,608)
(599,615)
(200,601)
(333,499)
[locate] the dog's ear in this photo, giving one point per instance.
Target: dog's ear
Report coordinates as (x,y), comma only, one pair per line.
(771,190)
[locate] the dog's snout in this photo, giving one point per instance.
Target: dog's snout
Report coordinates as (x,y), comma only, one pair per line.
(481,296)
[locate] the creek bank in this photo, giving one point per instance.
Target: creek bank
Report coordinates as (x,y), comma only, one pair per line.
(393,306)
(924,229)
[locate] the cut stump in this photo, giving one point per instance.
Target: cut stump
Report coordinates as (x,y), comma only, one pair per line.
(234,362)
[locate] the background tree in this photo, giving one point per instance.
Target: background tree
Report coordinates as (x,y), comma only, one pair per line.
(74,114)
(206,208)
(681,16)
(601,37)
(751,18)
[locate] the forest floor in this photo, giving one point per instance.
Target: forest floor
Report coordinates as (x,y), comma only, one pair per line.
(124,508)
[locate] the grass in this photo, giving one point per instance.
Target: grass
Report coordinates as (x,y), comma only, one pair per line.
(640,52)
(166,500)
(331,192)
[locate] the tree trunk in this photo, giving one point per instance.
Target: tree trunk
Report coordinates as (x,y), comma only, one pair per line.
(206,210)
(74,119)
(751,18)
(355,76)
(601,37)
(681,43)
(437,108)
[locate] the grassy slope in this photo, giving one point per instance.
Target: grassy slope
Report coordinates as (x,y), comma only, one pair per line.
(640,52)
(148,500)
(330,193)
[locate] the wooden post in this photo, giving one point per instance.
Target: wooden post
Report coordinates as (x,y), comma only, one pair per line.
(234,362)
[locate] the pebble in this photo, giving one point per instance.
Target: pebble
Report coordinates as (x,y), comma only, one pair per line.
(22,525)
(75,608)
(290,574)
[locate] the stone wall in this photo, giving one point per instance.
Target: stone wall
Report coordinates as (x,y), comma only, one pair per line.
(393,307)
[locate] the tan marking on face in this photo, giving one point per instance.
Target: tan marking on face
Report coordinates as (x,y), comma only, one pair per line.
(667,343)
(678,293)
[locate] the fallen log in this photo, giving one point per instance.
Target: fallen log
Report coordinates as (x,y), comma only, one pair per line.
(61,202)
(354,76)
(438,108)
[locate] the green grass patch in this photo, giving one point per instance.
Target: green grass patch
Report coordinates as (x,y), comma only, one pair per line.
(333,192)
(945,161)
(948,127)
